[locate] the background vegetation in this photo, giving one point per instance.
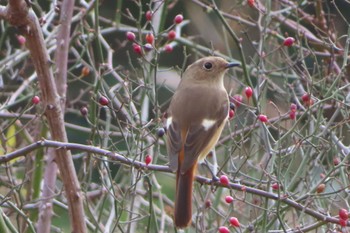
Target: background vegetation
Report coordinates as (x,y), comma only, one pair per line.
(86,172)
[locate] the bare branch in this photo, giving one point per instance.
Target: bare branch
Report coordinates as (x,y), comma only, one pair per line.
(18,14)
(61,60)
(61,55)
(153,167)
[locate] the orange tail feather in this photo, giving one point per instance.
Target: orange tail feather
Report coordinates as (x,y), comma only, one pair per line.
(183,200)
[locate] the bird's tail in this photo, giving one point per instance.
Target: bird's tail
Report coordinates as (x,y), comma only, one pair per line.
(183,200)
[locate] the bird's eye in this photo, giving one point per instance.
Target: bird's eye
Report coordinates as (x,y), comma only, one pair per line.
(208,65)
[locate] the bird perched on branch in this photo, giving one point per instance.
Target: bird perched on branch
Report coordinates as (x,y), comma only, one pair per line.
(195,119)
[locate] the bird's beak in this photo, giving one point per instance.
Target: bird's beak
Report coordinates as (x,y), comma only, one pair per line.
(232,64)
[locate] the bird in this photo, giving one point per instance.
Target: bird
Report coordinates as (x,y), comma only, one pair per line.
(195,119)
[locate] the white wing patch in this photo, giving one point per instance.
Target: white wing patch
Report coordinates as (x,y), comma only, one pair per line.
(207,124)
(169,120)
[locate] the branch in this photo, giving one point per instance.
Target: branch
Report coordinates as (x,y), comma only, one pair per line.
(153,167)
(316,214)
(91,149)
(19,15)
(61,55)
(61,60)
(46,206)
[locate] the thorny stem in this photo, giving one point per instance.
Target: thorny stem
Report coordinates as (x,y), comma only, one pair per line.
(18,14)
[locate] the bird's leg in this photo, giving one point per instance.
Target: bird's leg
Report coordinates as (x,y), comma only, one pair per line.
(213,168)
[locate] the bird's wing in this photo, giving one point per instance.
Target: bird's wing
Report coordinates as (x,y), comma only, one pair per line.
(200,140)
(193,121)
(174,144)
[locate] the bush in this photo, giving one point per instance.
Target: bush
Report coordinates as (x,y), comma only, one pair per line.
(84,89)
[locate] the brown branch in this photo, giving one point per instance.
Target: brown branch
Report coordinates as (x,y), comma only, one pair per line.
(19,15)
(91,149)
(61,61)
(61,54)
(140,165)
(46,207)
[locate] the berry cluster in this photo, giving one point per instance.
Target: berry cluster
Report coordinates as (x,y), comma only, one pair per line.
(307,100)
(343,217)
(140,48)
(293,111)
(237,100)
(233,222)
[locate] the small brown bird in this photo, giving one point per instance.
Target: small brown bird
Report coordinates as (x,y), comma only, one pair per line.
(195,119)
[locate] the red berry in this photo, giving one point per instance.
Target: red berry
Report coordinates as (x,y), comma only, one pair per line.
(293,107)
(84,111)
(292,115)
(305,97)
(229,199)
(148,159)
(21,39)
(85,71)
(234,222)
(207,203)
(35,99)
(275,186)
(343,214)
(171,35)
(336,161)
(137,49)
(149,15)
(251,3)
(237,100)
(223,229)
(307,100)
(343,222)
(248,92)
(263,118)
(130,36)
(231,114)
(168,48)
(320,188)
(289,41)
(150,38)
(178,19)
(311,102)
(103,101)
(293,110)
(224,180)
